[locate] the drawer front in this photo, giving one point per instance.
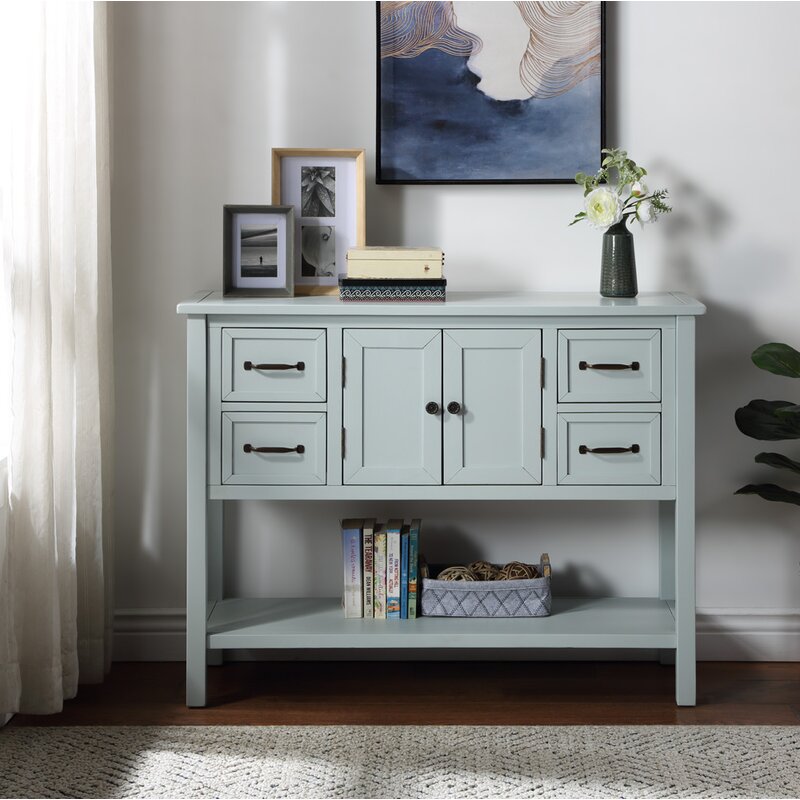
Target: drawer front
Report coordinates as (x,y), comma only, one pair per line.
(284,365)
(245,431)
(604,366)
(583,438)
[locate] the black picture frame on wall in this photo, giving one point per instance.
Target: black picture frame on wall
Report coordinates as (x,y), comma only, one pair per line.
(258,250)
(436,126)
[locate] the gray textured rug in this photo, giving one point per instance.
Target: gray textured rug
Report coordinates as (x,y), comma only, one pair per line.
(632,761)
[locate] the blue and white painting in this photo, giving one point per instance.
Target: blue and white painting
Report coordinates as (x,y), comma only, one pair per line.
(474,91)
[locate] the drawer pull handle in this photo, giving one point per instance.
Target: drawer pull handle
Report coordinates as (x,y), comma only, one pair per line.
(299,366)
(248,448)
(454,407)
(583,449)
(432,407)
(633,366)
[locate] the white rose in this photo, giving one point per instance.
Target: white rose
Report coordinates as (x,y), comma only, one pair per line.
(603,208)
(644,211)
(638,189)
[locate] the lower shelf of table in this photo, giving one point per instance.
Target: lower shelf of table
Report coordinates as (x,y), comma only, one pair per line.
(620,622)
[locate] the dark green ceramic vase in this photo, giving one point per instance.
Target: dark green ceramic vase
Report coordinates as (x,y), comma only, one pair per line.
(618,274)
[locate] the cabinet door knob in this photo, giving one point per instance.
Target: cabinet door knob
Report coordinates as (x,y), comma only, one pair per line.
(432,408)
(454,407)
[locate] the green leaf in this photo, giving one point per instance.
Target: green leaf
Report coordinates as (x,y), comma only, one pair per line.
(759,421)
(769,491)
(778,461)
(779,359)
(790,413)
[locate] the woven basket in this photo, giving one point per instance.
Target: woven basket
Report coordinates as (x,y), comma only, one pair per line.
(529,597)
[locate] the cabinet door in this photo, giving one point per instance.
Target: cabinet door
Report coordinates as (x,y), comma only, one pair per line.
(495,377)
(390,376)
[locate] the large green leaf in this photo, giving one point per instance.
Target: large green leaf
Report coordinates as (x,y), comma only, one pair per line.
(778,461)
(769,491)
(758,419)
(779,359)
(789,413)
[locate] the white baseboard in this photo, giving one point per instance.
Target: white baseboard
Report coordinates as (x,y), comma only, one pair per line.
(723,634)
(742,634)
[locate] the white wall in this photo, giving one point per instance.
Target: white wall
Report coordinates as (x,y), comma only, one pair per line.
(704,94)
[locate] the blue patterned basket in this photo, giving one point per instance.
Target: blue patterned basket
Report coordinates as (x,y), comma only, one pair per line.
(528,597)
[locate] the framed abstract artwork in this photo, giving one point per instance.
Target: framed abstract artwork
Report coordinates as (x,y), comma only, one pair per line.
(327,189)
(258,251)
(489,92)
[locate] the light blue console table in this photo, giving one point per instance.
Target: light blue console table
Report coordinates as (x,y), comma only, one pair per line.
(486,397)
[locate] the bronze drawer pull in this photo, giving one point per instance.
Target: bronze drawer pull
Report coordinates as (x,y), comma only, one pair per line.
(454,407)
(583,449)
(633,366)
(248,448)
(299,366)
(432,407)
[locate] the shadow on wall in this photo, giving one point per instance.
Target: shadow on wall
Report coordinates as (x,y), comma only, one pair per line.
(699,241)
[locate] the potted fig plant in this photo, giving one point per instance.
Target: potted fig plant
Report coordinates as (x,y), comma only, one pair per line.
(773,420)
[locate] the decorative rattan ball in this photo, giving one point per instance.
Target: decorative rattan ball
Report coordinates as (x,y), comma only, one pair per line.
(484,571)
(516,570)
(456,574)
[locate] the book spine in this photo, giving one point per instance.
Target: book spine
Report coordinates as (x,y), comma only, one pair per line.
(394,269)
(404,575)
(393,574)
(353,599)
(379,253)
(413,568)
(368,551)
(380,575)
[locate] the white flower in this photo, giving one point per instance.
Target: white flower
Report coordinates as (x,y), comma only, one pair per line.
(644,212)
(638,189)
(603,208)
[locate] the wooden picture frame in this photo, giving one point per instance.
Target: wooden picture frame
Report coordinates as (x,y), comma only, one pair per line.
(327,188)
(265,233)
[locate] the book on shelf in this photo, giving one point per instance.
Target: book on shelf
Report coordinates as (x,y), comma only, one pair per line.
(404,573)
(353,599)
(393,555)
(372,290)
(379,575)
(394,262)
(368,561)
(413,567)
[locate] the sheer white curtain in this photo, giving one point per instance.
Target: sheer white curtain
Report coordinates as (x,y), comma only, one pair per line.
(55,603)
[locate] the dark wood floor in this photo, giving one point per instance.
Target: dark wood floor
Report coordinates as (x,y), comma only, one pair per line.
(436,693)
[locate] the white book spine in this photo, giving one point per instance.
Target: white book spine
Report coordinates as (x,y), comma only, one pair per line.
(353,597)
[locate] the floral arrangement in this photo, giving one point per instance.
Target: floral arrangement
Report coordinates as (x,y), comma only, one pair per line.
(607,202)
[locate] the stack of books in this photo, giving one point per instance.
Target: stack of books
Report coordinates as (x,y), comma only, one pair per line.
(405,274)
(381,569)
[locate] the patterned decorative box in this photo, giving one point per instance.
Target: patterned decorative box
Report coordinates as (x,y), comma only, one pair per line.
(367,290)
(529,597)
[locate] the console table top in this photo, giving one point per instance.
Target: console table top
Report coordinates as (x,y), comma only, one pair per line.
(494,304)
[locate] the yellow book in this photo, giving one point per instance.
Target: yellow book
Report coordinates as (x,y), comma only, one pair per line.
(380,263)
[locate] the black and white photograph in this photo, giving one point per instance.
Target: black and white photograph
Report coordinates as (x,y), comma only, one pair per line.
(326,187)
(318,251)
(259,251)
(318,191)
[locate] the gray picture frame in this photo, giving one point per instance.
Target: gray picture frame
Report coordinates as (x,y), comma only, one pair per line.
(276,225)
